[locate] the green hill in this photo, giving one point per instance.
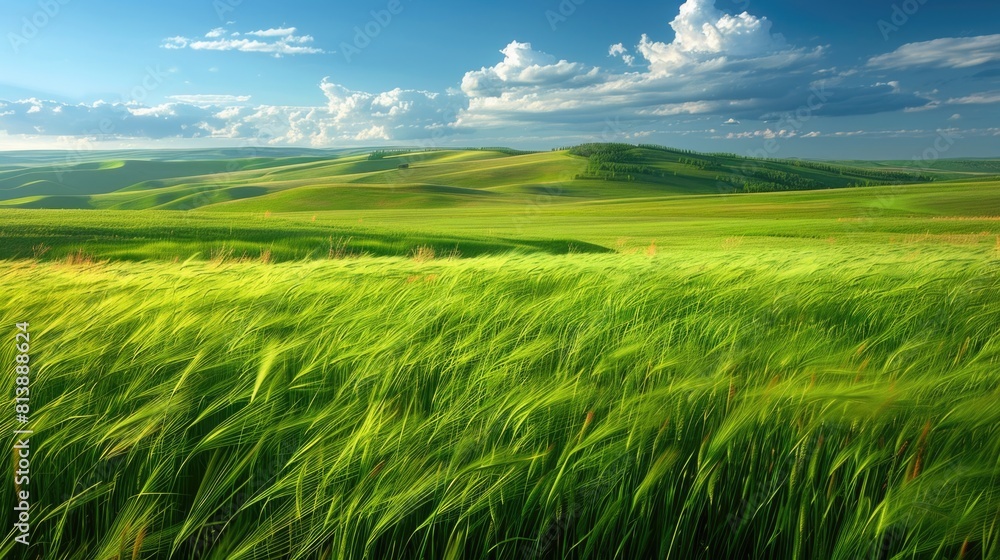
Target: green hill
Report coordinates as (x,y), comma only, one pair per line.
(310,181)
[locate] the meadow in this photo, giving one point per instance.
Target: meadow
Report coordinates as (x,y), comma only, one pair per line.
(553,372)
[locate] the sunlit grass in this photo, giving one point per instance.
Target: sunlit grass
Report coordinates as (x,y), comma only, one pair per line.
(711,403)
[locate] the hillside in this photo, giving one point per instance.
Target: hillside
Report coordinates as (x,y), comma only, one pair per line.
(313,181)
(952,213)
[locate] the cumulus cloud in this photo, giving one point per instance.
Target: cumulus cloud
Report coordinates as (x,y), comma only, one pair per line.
(347,117)
(701,27)
(707,37)
(955,52)
(717,64)
(717,68)
(620,51)
(277,42)
(392,115)
(524,66)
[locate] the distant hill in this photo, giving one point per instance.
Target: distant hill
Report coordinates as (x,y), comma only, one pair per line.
(295,180)
(65,158)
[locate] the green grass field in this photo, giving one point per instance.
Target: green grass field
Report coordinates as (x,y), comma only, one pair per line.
(492,355)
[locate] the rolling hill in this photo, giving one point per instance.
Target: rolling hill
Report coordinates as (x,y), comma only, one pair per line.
(589,198)
(307,181)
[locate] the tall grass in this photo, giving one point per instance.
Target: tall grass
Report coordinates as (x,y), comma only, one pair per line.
(783,404)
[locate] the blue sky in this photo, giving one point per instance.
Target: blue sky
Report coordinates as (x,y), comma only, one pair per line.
(854,79)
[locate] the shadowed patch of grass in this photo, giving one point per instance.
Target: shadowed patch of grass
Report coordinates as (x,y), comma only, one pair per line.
(139,236)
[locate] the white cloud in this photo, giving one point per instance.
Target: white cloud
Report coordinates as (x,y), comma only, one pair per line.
(376,132)
(175,42)
(766,134)
(980,98)
(900,133)
(931,105)
(348,117)
(983,98)
(211,99)
(716,64)
(277,42)
(524,66)
(274,32)
(893,84)
(686,108)
(708,37)
(701,27)
(955,52)
(397,114)
(620,51)
(718,68)
(107,120)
